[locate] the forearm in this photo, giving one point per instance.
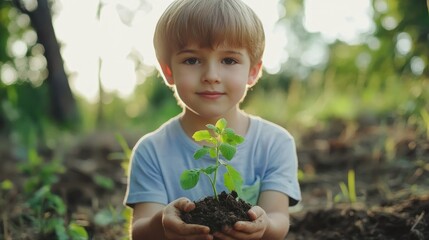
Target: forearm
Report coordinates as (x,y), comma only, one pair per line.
(278,226)
(148,228)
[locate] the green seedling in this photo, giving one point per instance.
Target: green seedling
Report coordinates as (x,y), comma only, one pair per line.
(348,192)
(218,141)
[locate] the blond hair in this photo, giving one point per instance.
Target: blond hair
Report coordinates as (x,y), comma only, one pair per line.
(208,23)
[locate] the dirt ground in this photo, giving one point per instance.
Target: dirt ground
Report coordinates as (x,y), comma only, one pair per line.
(391,165)
(390,162)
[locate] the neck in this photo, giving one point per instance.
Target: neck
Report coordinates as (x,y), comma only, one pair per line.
(191,122)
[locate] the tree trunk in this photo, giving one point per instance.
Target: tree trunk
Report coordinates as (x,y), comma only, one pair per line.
(63,104)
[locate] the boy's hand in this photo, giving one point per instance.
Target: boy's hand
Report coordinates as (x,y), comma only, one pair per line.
(175,228)
(244,230)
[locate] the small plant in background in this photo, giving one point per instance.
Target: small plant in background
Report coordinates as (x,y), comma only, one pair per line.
(109,216)
(47,209)
(425,119)
(221,141)
(7,193)
(125,156)
(348,192)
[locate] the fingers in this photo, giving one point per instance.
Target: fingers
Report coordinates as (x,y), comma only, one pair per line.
(175,228)
(184,204)
(246,230)
(232,234)
(188,233)
(255,212)
(242,230)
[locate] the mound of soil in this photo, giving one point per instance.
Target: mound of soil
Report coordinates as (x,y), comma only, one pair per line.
(216,214)
(409,220)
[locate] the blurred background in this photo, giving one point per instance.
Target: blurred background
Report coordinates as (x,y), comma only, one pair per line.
(79,85)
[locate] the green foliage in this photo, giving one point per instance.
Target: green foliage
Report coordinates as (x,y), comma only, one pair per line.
(6,184)
(77,232)
(153,103)
(4,22)
(6,192)
(24,100)
(377,76)
(425,115)
(125,155)
(221,141)
(47,210)
(108,216)
(39,173)
(103,181)
(26,121)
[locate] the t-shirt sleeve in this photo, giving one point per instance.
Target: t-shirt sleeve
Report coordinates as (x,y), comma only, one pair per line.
(282,171)
(145,183)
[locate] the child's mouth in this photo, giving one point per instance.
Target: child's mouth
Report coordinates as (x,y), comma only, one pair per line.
(211,94)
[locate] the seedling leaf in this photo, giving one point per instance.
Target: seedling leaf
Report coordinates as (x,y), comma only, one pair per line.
(351,185)
(212,153)
(227,150)
(201,152)
(230,137)
(189,178)
(221,124)
(232,178)
(211,127)
(210,169)
(238,139)
(77,232)
(202,135)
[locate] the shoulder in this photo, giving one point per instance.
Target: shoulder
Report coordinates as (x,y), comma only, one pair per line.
(267,129)
(161,135)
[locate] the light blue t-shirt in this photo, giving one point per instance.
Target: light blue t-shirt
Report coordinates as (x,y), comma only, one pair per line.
(267,160)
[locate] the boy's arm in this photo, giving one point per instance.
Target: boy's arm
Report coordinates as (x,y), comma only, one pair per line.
(276,206)
(147,221)
(156,221)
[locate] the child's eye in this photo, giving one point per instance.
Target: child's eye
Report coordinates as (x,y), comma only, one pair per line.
(191,61)
(229,61)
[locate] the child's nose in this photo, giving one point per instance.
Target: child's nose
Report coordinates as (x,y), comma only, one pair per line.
(211,74)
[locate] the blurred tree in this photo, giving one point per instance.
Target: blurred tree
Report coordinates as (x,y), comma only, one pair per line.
(24,96)
(63,104)
(3,56)
(400,36)
(101,93)
(398,46)
(402,29)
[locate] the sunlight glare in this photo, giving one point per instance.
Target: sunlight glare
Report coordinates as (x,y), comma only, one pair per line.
(18,48)
(338,19)
(8,74)
(75,27)
(275,36)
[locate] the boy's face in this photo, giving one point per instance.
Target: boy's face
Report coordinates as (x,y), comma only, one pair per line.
(211,82)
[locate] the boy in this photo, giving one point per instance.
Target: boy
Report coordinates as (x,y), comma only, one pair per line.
(210,52)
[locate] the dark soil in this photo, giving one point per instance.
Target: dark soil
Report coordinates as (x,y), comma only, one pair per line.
(407,220)
(216,214)
(391,162)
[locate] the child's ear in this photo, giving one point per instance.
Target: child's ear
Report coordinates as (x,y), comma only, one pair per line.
(166,70)
(254,73)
